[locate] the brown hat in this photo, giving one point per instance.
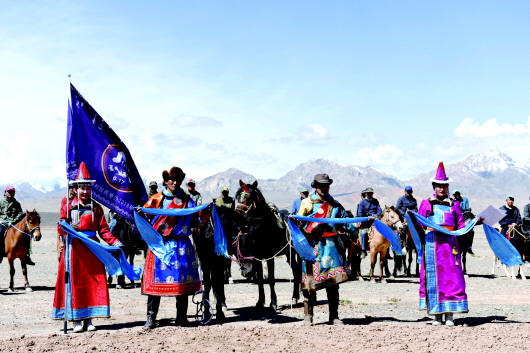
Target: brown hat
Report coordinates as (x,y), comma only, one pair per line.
(174,173)
(321,179)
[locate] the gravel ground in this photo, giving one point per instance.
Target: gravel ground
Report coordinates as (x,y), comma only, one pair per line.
(378,317)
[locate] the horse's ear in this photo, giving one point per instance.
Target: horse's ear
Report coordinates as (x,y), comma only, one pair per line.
(255,184)
(34,210)
(386,207)
(241,183)
(27,213)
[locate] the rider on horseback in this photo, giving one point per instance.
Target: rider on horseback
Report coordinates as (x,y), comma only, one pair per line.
(512,218)
(10,213)
(368,207)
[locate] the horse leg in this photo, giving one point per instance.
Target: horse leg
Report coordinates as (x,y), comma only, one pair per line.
(373,256)
(383,265)
(271,279)
(25,274)
(294,262)
(131,262)
(259,282)
(11,275)
(218,286)
(408,263)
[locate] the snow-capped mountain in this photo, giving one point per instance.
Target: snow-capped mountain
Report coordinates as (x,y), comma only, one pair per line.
(484,178)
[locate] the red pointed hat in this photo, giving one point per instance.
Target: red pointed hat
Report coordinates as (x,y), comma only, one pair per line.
(441,177)
(83,176)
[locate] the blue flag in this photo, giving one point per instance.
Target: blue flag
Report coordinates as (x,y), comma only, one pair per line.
(90,139)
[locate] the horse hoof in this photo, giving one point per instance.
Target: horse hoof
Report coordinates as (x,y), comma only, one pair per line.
(11,290)
(274,307)
(259,305)
(230,280)
(294,301)
(28,289)
(373,281)
(383,281)
(118,286)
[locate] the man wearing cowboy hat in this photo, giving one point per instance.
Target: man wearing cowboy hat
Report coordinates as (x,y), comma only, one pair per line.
(182,279)
(368,207)
(332,268)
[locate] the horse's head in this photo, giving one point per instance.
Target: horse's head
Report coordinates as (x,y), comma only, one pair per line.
(391,218)
(33,224)
(248,196)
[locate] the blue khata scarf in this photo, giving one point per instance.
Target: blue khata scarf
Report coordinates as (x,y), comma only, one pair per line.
(305,250)
(501,247)
(114,267)
(155,241)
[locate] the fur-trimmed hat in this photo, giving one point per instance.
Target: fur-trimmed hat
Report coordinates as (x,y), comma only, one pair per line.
(174,173)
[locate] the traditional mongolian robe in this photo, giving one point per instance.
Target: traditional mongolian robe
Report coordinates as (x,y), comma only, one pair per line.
(87,287)
(331,267)
(442,284)
(182,278)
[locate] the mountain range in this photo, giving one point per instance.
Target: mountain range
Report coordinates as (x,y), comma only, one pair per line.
(484,178)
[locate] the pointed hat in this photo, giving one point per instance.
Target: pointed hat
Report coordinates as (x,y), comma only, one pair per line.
(441,177)
(83,176)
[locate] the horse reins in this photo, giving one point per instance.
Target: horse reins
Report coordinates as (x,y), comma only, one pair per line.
(30,230)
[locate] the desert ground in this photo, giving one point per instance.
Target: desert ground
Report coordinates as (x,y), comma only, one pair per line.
(378,317)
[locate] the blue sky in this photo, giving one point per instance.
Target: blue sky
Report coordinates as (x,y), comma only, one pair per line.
(264,86)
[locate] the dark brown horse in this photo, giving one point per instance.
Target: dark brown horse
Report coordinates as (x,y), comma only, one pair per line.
(17,242)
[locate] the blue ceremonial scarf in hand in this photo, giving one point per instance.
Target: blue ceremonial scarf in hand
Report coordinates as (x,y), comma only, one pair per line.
(501,247)
(155,241)
(306,251)
(104,253)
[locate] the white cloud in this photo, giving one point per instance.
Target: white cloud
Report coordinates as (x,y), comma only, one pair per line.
(471,127)
(315,132)
(187,120)
(381,154)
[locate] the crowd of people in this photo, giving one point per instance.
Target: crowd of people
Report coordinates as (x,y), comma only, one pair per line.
(84,296)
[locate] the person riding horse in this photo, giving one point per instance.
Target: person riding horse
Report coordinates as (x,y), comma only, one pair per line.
(10,213)
(368,207)
(512,217)
(332,269)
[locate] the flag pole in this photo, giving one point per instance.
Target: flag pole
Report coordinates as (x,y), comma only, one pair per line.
(66,245)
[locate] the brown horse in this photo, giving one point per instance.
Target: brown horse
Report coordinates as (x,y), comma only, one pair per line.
(17,242)
(379,244)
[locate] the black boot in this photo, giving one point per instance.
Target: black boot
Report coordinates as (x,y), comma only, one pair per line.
(153,303)
(182,311)
(28,261)
(333,304)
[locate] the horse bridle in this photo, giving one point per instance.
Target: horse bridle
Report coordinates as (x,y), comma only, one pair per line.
(392,225)
(30,230)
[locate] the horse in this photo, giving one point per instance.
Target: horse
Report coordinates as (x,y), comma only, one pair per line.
(379,244)
(521,242)
(213,266)
(465,240)
(128,235)
(262,236)
(17,243)
(410,249)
